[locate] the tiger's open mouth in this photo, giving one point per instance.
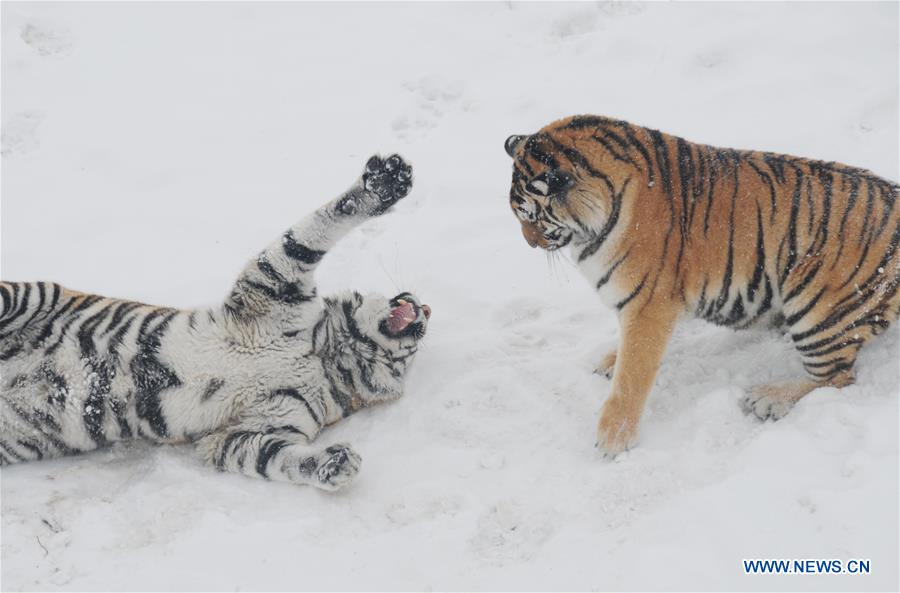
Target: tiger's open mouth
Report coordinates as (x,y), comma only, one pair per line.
(407,318)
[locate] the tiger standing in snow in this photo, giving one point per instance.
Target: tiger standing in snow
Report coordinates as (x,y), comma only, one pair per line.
(251,382)
(665,228)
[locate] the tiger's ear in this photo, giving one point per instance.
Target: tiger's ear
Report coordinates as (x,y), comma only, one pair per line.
(512,143)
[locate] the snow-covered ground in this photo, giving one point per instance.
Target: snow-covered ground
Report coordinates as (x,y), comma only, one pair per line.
(149,150)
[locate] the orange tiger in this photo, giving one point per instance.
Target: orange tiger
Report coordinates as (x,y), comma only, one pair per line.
(665,228)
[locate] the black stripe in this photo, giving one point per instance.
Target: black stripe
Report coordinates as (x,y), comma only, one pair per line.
(609,272)
(212,387)
(537,153)
(662,159)
(832,348)
(791,320)
(149,375)
(7,298)
(711,188)
(11,452)
(639,146)
(229,442)
(39,309)
(608,227)
(88,302)
(19,306)
(725,290)
(581,162)
(268,450)
(294,394)
(857,267)
(791,237)
(810,275)
(300,252)
(85,333)
(119,315)
(268,270)
(870,203)
(48,326)
(760,266)
(31,447)
(621,304)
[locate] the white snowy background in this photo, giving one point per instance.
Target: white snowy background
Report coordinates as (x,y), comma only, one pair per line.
(149,150)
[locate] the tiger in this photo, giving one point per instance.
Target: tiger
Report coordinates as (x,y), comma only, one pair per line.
(250,382)
(665,229)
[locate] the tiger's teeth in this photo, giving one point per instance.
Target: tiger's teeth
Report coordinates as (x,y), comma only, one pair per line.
(401,302)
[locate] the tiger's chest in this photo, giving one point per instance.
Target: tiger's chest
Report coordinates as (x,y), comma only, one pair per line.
(606,271)
(602,277)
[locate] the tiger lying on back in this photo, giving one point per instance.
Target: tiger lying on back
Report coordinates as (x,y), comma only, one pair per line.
(663,227)
(251,382)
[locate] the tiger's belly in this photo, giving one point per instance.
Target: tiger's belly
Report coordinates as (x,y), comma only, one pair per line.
(734,303)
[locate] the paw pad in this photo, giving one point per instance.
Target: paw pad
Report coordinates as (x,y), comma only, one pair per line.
(338,468)
(389,180)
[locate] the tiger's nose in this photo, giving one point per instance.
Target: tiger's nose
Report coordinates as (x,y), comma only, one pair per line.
(531,233)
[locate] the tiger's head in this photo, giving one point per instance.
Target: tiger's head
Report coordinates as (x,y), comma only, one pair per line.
(563,189)
(372,338)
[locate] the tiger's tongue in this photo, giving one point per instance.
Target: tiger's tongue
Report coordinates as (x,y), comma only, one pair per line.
(401,317)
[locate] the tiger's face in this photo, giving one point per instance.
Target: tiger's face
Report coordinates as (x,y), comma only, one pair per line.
(373,338)
(548,196)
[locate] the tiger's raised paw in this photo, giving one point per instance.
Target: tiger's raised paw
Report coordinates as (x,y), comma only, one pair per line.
(337,467)
(388,180)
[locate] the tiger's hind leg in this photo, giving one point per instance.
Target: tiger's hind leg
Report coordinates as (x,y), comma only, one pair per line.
(828,328)
(773,401)
(280,456)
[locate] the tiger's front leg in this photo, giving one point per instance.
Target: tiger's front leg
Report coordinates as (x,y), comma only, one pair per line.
(645,334)
(280,456)
(282,276)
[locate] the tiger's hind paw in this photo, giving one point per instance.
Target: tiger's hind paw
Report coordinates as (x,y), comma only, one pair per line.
(337,467)
(773,402)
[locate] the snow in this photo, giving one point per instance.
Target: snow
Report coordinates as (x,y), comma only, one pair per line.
(150,150)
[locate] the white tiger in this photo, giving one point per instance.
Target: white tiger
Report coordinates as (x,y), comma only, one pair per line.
(252,382)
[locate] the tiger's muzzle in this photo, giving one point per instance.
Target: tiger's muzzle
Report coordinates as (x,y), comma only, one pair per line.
(535,237)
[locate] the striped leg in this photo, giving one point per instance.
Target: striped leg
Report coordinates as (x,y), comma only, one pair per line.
(282,275)
(832,368)
(828,327)
(280,456)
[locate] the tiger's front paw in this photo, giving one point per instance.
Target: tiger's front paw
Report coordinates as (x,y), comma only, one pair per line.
(617,430)
(337,467)
(387,180)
